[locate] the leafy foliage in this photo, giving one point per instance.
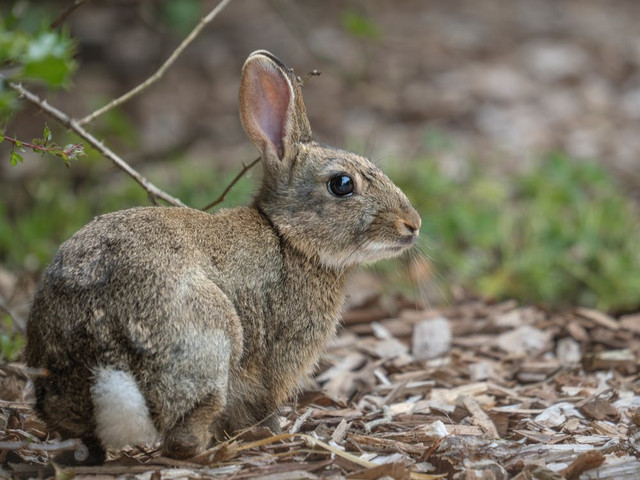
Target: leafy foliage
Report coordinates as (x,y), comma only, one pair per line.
(47,211)
(43,146)
(32,54)
(11,340)
(562,234)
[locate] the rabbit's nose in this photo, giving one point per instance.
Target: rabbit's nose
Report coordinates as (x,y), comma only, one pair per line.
(411,223)
(410,228)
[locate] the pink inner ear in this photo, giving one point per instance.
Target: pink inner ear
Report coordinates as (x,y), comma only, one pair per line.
(272,104)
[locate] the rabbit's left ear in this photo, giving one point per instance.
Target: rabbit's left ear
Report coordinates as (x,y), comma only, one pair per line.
(271,106)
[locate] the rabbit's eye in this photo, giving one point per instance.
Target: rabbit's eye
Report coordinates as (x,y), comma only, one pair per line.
(341,185)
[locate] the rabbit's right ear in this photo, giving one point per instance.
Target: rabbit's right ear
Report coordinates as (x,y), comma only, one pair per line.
(271,106)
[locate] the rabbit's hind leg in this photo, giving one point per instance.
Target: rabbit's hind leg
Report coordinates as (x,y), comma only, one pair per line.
(192,434)
(196,385)
(189,391)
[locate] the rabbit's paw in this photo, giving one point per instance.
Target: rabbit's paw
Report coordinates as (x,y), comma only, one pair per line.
(272,423)
(186,440)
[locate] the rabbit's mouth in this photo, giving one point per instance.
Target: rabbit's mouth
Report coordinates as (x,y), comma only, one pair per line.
(379,248)
(405,241)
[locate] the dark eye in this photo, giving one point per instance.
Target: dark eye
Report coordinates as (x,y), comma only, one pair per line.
(341,185)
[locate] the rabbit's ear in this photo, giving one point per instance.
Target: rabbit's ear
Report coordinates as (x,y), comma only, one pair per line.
(271,106)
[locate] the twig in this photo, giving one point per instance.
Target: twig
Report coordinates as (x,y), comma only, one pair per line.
(64,15)
(20,406)
(220,199)
(65,445)
(163,68)
(480,417)
(72,124)
(53,150)
(300,420)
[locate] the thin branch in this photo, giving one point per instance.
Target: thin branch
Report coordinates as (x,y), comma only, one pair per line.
(72,124)
(64,15)
(160,72)
(72,444)
(220,199)
(53,149)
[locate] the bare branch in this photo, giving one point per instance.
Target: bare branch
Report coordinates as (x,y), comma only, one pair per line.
(72,124)
(64,15)
(220,199)
(72,444)
(160,72)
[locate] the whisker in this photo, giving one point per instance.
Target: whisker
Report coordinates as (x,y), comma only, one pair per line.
(419,257)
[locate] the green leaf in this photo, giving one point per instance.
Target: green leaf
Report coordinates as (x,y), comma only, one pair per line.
(53,71)
(73,151)
(46,57)
(15,158)
(46,135)
(65,158)
(1,138)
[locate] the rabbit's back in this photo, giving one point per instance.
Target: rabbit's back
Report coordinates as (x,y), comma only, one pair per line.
(130,268)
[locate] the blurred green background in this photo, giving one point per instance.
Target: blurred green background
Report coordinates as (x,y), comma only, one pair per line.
(511,125)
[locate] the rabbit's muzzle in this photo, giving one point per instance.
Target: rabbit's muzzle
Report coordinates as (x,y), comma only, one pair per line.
(409,227)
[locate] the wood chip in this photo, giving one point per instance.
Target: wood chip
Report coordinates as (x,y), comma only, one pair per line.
(431,338)
(386,445)
(629,470)
(341,430)
(622,360)
(578,332)
(631,323)
(480,417)
(599,409)
(396,471)
(525,339)
(599,318)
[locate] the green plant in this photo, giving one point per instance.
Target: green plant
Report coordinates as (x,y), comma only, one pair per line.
(43,146)
(11,341)
(562,234)
(46,210)
(30,51)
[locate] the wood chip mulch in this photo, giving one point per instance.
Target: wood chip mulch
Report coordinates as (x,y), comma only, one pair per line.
(473,391)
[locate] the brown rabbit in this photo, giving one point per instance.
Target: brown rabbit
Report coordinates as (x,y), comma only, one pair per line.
(174,324)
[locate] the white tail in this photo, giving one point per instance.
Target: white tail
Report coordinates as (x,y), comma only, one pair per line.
(122,416)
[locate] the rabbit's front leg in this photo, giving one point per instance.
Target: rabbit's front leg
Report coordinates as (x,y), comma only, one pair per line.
(191,435)
(272,422)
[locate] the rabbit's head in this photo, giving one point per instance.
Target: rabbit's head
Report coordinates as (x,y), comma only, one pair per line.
(328,203)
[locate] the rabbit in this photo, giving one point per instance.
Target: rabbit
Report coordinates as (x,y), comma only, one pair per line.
(175,325)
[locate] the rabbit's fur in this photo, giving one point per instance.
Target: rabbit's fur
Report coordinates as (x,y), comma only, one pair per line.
(172,323)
